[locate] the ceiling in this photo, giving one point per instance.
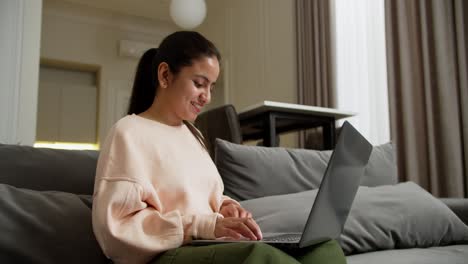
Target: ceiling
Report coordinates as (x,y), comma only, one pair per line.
(152,9)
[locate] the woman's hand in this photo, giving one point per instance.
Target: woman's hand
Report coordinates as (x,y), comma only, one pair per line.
(237,228)
(232,209)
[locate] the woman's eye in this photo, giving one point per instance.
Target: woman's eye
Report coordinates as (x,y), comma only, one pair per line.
(198,85)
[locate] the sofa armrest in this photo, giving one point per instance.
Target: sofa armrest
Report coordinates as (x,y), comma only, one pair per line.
(459,206)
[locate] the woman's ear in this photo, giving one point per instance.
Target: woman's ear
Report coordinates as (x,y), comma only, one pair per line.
(164,75)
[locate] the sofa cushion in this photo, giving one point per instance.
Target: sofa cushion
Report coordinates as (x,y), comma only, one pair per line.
(251,171)
(48,169)
(455,254)
(459,206)
(384,217)
(46,227)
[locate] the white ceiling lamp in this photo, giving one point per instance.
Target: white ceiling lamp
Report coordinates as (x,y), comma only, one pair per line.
(188,14)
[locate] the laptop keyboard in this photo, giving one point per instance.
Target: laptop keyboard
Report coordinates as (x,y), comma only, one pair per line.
(283,238)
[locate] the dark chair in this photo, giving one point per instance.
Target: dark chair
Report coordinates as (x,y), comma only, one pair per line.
(221,122)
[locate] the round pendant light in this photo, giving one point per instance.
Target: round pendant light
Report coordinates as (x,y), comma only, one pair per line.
(188,14)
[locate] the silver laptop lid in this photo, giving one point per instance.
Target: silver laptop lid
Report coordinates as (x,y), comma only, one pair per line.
(338,187)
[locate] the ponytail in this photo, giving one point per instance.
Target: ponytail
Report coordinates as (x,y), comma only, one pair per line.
(145,84)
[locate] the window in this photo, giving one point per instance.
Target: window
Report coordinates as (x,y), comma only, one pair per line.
(361,67)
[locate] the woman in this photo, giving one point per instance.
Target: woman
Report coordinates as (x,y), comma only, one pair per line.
(156,187)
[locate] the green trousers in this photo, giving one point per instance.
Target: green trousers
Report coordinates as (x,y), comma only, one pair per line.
(252,253)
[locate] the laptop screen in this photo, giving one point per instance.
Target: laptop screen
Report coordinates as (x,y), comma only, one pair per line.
(338,187)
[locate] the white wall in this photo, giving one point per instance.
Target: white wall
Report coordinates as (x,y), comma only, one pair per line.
(257,41)
(80,34)
(20,22)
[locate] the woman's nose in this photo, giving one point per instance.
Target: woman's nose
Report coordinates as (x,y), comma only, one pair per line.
(206,97)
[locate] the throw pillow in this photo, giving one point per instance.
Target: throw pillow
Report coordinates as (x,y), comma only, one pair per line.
(44,169)
(251,171)
(385,217)
(46,227)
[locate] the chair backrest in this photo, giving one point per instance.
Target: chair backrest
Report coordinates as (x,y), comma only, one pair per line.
(221,122)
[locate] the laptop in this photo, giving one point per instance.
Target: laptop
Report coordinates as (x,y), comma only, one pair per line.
(334,199)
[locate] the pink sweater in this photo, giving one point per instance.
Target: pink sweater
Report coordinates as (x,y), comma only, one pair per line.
(156,188)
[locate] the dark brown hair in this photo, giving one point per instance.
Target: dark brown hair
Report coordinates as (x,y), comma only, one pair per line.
(178,50)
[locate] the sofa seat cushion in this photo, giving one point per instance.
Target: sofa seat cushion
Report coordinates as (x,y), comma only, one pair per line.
(384,217)
(46,227)
(455,254)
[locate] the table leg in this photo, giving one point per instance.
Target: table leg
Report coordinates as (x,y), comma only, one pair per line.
(269,131)
(329,134)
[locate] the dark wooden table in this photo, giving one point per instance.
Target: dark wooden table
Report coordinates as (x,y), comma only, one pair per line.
(268,119)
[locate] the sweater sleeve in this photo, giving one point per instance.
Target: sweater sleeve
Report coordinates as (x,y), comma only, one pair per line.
(130,231)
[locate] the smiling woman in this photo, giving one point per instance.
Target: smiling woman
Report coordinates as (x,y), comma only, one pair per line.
(156,186)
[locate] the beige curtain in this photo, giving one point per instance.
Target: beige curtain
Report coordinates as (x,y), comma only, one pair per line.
(427,81)
(315,62)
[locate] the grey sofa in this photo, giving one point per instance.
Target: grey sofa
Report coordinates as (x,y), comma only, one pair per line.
(389,222)
(45,209)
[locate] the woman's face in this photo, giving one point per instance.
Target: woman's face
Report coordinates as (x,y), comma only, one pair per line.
(190,90)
